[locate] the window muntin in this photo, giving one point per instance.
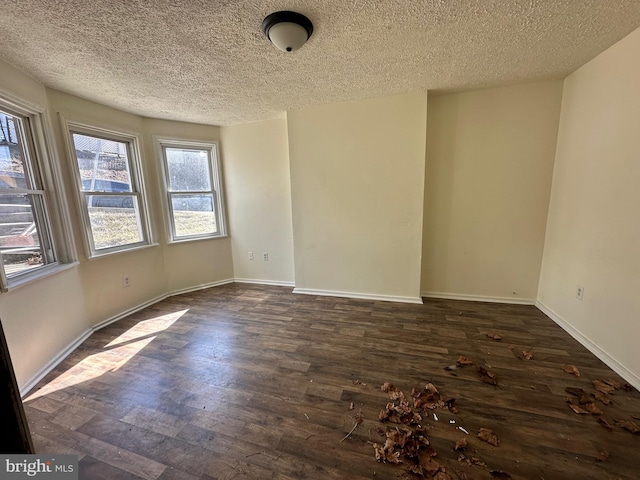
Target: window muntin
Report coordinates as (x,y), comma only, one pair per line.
(110,189)
(193,189)
(26,244)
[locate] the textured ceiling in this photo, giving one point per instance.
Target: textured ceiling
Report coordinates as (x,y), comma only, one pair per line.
(208,62)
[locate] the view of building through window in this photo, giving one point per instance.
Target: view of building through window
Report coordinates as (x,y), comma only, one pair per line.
(108,191)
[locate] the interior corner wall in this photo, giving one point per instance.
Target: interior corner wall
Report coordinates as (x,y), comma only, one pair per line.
(593,231)
(258,190)
(186,264)
(357,172)
(488,174)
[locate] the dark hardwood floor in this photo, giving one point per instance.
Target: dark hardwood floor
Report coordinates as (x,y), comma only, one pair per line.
(253,382)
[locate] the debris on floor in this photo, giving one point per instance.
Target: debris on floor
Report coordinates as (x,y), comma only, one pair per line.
(407,442)
(628,425)
(462,360)
(572,369)
(488,436)
(487,377)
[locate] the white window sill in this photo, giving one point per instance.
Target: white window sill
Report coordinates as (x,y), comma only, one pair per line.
(99,254)
(195,239)
(45,272)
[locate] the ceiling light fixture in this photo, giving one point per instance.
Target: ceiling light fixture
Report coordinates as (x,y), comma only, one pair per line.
(288,31)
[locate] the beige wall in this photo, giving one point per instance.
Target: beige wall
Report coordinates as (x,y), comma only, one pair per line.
(39,319)
(357,173)
(488,175)
(186,264)
(42,318)
(256,165)
(593,231)
(101,277)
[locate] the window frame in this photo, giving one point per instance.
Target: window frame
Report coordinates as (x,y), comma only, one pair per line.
(215,174)
(136,178)
(51,214)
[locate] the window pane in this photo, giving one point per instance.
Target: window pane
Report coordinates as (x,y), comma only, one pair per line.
(19,240)
(188,170)
(193,215)
(103,164)
(12,160)
(115,220)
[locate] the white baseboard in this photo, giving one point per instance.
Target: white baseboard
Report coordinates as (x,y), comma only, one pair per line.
(203,286)
(33,381)
(360,296)
(54,362)
(256,281)
(590,345)
(479,298)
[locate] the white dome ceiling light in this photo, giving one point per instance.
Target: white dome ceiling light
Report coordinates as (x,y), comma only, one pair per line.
(288,31)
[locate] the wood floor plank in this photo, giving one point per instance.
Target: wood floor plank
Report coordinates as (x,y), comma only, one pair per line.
(253,382)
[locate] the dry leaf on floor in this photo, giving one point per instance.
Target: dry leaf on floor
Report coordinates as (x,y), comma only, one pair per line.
(603,397)
(416,469)
(431,466)
(429,397)
(602,456)
(450,403)
(387,387)
(572,369)
(494,336)
(602,387)
(487,377)
(577,409)
(477,462)
(527,354)
(628,425)
(578,392)
(488,436)
(613,383)
(593,409)
(462,360)
(460,444)
(603,421)
(499,474)
(451,367)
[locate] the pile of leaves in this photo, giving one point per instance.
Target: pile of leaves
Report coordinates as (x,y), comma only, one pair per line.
(586,401)
(411,445)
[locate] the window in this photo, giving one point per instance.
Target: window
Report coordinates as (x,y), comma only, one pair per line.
(26,245)
(109,185)
(192,182)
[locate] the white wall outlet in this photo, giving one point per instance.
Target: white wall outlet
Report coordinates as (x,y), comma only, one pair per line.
(250,255)
(579,292)
(125,281)
(265,256)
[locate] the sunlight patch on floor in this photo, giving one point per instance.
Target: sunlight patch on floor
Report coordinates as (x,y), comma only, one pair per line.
(119,352)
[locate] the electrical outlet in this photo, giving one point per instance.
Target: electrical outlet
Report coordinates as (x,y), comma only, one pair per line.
(250,255)
(265,256)
(579,292)
(125,281)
